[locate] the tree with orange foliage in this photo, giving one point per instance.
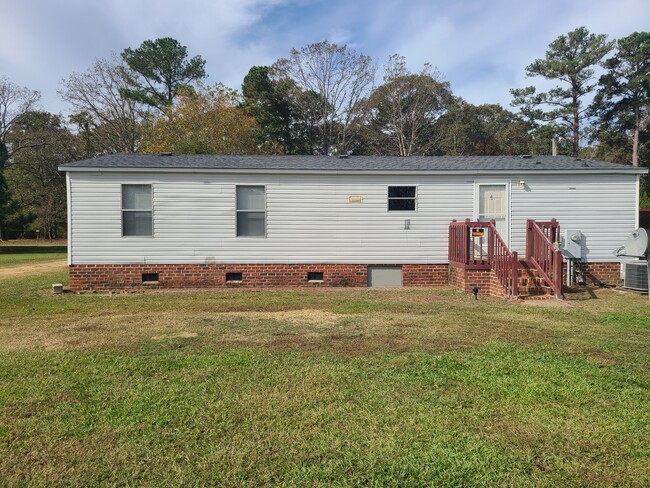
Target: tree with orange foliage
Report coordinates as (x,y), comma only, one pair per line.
(205,120)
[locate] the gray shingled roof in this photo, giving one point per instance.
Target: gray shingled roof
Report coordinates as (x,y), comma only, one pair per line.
(351,163)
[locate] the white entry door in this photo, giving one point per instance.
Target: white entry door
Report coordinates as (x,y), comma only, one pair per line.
(492,204)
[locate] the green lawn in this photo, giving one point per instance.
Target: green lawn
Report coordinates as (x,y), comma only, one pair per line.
(19,258)
(334,387)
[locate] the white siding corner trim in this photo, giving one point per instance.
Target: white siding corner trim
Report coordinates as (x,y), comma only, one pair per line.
(68,187)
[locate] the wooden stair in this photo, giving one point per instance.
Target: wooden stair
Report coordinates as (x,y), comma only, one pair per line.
(475,247)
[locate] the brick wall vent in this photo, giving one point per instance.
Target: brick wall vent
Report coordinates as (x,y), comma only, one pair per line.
(315,276)
(150,278)
(231,277)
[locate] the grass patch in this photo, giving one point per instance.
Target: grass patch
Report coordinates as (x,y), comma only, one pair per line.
(334,387)
(21,258)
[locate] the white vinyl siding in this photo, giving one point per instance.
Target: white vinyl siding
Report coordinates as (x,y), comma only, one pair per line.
(603,208)
(309,218)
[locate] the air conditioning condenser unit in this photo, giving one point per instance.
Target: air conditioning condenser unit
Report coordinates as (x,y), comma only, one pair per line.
(636,275)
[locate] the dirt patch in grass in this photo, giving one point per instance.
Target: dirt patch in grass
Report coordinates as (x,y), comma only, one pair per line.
(545,303)
(315,317)
(307,330)
(15,271)
(180,335)
(352,322)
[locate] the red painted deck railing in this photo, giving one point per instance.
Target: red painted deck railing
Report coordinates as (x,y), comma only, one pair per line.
(478,245)
(542,252)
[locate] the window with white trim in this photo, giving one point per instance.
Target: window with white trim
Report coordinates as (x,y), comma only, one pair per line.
(251,211)
(401,198)
(137,211)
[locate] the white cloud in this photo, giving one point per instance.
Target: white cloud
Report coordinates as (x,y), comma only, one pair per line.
(481,47)
(42,42)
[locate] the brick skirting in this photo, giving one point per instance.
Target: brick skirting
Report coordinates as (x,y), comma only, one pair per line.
(466,279)
(602,273)
(105,277)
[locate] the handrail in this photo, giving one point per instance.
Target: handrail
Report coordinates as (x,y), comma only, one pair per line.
(505,262)
(543,254)
(467,249)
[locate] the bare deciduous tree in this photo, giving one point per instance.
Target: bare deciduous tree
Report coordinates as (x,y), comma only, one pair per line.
(115,122)
(402,111)
(339,77)
(14,101)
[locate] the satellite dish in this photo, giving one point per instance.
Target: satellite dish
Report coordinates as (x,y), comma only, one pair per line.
(637,244)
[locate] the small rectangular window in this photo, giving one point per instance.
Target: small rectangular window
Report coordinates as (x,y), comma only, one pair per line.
(251,211)
(233,277)
(401,198)
(314,276)
(137,211)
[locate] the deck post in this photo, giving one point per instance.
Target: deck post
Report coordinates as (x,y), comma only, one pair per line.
(491,239)
(451,241)
(554,231)
(515,275)
(558,274)
(529,244)
(467,233)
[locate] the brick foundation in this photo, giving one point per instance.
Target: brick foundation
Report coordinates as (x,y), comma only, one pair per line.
(530,282)
(597,273)
(105,277)
(466,279)
(424,274)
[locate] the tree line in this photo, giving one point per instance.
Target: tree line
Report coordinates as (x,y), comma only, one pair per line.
(321,99)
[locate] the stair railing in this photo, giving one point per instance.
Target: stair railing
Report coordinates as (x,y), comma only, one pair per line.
(543,253)
(467,249)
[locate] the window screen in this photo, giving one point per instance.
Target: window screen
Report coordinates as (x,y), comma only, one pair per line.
(137,214)
(401,198)
(251,211)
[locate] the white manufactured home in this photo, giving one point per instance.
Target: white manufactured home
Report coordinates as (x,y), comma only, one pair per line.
(213,220)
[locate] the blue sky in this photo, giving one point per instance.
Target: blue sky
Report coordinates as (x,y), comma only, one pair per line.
(481,46)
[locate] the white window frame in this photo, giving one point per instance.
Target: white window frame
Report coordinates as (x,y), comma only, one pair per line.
(250,211)
(151,186)
(388,198)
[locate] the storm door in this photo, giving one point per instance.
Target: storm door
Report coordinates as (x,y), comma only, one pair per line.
(492,204)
